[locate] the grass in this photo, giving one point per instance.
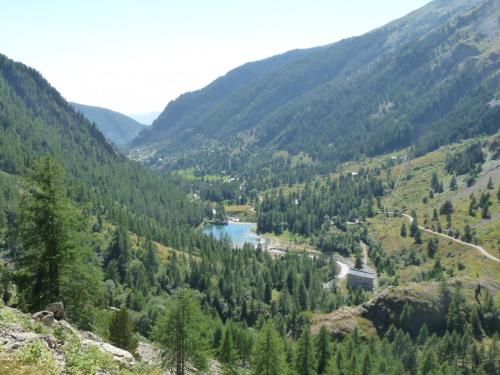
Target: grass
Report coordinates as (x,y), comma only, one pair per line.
(188,175)
(238,209)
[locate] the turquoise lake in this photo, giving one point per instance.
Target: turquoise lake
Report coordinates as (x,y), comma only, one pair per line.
(239,232)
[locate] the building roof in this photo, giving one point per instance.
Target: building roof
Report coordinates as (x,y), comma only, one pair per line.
(368,275)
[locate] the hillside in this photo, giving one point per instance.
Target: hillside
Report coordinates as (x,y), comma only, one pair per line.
(35,120)
(116,127)
(427,79)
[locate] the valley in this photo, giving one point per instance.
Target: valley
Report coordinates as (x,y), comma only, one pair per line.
(326,211)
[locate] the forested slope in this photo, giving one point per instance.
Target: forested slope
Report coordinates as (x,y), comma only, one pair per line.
(427,79)
(35,120)
(116,127)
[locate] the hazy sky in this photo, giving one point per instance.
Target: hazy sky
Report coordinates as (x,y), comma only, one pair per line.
(135,56)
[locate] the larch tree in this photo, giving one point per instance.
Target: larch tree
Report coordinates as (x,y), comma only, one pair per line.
(55,262)
(121,332)
(268,357)
(305,361)
(180,333)
(323,349)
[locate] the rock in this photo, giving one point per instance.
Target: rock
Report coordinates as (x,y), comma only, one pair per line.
(118,354)
(67,327)
(149,354)
(45,317)
(57,308)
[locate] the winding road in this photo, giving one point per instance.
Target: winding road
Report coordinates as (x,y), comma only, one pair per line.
(477,247)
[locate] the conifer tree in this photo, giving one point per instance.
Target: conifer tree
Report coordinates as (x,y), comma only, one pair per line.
(403,230)
(227,354)
(453,183)
(55,263)
(180,333)
(323,349)
(305,361)
(121,333)
(423,335)
(268,357)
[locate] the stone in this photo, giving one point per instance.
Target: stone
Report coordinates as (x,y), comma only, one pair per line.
(118,354)
(67,327)
(45,317)
(57,308)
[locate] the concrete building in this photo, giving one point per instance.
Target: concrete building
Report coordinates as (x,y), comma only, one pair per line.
(358,278)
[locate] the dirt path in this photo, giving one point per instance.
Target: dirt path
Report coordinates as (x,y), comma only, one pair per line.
(477,247)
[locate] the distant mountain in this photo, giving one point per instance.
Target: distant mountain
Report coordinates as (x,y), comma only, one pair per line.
(117,127)
(144,118)
(427,79)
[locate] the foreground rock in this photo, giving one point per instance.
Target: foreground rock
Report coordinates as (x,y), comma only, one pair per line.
(60,346)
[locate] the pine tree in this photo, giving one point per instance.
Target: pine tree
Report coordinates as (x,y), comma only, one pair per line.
(453,183)
(179,332)
(268,357)
(428,363)
(418,237)
(121,333)
(323,349)
(55,263)
(414,225)
(467,237)
(432,246)
(472,206)
(268,293)
(485,212)
(304,364)
(423,335)
(358,264)
(406,318)
(302,297)
(403,230)
(227,354)
(119,252)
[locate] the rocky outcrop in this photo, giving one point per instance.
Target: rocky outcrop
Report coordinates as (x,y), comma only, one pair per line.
(385,308)
(45,317)
(56,308)
(118,354)
(18,330)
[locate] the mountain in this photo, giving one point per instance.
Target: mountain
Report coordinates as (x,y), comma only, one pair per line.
(35,120)
(426,79)
(116,127)
(144,118)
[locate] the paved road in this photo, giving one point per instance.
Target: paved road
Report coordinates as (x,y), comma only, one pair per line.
(478,248)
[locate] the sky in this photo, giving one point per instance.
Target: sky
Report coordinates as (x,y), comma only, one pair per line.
(135,56)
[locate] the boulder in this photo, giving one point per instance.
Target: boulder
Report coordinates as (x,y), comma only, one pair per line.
(118,354)
(57,308)
(45,317)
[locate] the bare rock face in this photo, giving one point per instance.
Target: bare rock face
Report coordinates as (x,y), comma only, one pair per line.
(45,317)
(57,308)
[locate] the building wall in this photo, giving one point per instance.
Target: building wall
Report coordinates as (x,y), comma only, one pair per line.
(354,281)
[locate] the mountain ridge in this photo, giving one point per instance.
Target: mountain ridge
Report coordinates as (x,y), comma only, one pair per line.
(117,127)
(295,104)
